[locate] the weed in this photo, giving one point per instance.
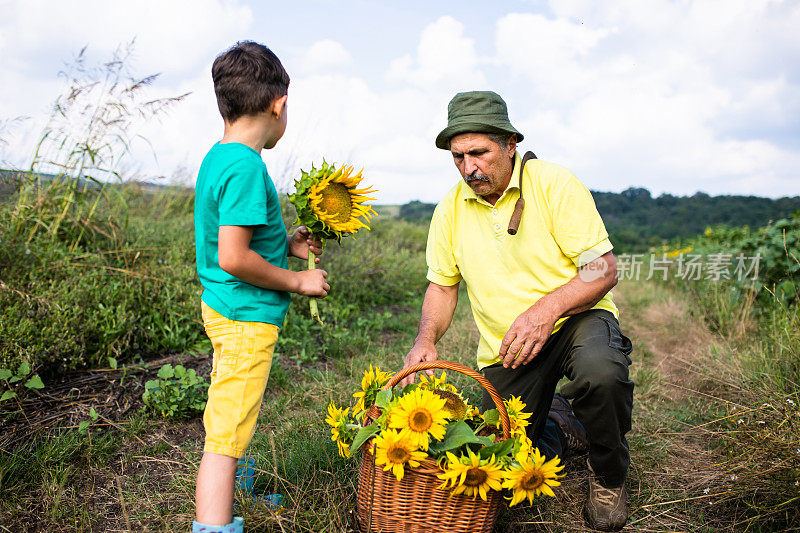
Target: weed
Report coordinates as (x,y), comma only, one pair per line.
(10,377)
(177,393)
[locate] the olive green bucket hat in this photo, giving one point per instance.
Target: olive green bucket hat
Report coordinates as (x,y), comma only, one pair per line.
(475,112)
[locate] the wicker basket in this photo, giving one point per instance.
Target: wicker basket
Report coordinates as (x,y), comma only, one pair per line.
(415,505)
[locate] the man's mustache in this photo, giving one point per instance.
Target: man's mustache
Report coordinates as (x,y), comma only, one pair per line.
(476,176)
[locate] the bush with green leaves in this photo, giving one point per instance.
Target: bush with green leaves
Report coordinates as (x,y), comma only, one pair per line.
(177,393)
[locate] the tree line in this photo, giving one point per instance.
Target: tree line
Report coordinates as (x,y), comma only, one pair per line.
(637,221)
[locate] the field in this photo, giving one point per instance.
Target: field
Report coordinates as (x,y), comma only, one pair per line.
(99,297)
(714,441)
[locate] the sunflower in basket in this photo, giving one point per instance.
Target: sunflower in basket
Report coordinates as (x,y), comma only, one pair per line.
(395,450)
(472,476)
(431,421)
(341,428)
(371,383)
(517,415)
(330,204)
(422,414)
(531,475)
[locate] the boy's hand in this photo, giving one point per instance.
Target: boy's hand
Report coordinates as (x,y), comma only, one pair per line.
(312,283)
(300,242)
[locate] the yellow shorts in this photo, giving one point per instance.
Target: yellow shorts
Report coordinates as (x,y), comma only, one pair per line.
(242,359)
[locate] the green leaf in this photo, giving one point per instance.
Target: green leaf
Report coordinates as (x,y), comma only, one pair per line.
(93,414)
(408,388)
(457,434)
(35,382)
(364,434)
(383,399)
(83,425)
(151,384)
(24,369)
(498,449)
(14,379)
(492,417)
(179,371)
(166,372)
(5,373)
(112,362)
(7,395)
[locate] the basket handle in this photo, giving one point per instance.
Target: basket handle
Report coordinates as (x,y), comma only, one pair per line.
(461,369)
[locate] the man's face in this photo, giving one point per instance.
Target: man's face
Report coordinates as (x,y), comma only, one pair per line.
(484,165)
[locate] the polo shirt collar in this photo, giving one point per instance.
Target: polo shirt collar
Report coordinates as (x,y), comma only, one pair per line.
(468,194)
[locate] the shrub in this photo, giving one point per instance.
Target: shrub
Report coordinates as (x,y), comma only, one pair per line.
(177,393)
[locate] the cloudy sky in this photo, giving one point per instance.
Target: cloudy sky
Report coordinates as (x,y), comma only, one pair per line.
(677,97)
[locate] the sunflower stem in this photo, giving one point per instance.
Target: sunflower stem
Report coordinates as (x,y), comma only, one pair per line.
(313,301)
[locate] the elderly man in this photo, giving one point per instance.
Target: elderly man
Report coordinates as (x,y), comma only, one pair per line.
(538,275)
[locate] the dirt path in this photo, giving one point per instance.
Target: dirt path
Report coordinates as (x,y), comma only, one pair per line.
(673,461)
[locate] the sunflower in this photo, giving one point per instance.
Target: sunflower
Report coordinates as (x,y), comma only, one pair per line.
(329,203)
(525,444)
(531,476)
(338,420)
(371,383)
(395,449)
(422,414)
(471,476)
(454,403)
(434,383)
(517,415)
(472,413)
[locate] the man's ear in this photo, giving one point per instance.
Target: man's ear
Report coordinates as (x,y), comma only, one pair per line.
(278,106)
(512,145)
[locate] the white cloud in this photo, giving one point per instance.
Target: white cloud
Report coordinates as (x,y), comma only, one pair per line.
(179,38)
(657,94)
(325,55)
(174,36)
(445,58)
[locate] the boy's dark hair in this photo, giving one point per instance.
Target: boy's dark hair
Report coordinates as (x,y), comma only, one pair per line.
(247,78)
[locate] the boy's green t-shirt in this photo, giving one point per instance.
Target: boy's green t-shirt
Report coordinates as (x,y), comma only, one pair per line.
(234,189)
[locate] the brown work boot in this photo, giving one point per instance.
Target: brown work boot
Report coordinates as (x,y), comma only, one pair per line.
(606,508)
(574,432)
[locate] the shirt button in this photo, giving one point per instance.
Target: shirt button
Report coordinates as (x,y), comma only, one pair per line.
(495,211)
(497,227)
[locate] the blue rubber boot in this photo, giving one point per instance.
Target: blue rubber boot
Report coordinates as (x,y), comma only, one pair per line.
(237,526)
(246,478)
(245,474)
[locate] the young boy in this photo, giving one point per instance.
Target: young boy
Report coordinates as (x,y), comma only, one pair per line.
(242,248)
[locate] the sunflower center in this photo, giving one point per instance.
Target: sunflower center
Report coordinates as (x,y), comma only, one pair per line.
(397,455)
(452,403)
(475,477)
(533,480)
(420,420)
(336,202)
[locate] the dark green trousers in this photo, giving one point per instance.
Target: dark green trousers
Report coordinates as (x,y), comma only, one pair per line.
(592,352)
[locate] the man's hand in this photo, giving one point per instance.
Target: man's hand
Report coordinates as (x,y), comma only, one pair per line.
(300,242)
(420,353)
(312,283)
(527,336)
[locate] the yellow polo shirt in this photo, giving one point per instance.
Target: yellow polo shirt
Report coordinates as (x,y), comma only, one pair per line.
(468,239)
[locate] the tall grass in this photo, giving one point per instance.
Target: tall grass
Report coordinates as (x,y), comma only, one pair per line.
(80,281)
(752,384)
(90,131)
